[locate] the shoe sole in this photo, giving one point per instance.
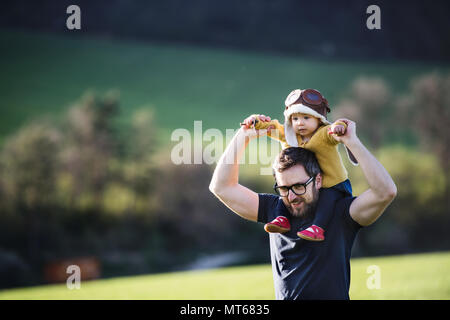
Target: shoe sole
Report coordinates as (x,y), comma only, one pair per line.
(271,228)
(308,238)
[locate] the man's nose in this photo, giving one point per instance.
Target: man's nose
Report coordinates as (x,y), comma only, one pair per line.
(291,195)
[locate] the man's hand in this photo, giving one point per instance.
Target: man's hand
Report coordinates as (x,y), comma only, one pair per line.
(250,121)
(341,134)
(249,125)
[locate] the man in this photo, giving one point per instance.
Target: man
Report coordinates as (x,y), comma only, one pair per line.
(304,269)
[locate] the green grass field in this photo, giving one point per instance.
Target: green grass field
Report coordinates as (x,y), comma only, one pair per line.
(419,276)
(44,74)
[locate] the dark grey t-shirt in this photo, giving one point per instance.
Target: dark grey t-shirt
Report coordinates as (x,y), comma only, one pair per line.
(306,269)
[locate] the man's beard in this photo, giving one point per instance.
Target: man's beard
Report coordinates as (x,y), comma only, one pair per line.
(308,209)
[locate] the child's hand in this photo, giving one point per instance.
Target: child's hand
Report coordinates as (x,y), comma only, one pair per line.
(349,134)
(338,130)
(253,119)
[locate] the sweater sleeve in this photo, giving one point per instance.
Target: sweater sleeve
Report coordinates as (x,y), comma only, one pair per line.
(340,123)
(277,133)
(323,137)
(329,138)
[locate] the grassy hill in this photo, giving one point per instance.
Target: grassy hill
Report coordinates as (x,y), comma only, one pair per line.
(419,276)
(43,74)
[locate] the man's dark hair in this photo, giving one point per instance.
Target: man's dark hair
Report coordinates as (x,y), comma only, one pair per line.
(290,157)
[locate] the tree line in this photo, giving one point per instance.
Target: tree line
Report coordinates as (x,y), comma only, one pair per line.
(414,29)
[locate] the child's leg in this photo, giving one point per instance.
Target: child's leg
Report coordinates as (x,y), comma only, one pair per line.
(280,224)
(325,206)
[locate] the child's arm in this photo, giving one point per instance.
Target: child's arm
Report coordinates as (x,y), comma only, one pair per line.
(329,135)
(339,128)
(326,135)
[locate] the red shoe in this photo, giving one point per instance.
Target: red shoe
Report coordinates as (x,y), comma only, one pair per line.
(313,233)
(279,225)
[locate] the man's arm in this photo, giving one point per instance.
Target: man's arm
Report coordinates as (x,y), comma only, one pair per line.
(368,206)
(225,180)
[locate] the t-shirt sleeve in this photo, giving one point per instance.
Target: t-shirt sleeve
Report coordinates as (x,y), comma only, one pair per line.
(343,207)
(267,206)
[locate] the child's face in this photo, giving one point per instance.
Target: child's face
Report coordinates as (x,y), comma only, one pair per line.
(304,124)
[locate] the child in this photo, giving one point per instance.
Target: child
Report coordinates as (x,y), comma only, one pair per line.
(306,126)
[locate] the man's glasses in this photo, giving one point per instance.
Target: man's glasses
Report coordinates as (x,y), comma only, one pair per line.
(298,188)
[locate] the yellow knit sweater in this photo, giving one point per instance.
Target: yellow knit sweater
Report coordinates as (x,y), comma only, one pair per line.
(322,144)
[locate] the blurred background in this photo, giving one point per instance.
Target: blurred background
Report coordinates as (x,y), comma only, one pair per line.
(86,118)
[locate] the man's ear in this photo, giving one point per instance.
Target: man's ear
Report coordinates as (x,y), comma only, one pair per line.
(319,181)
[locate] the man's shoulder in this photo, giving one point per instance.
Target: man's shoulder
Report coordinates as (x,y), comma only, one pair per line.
(269,206)
(342,209)
(344,203)
(268,200)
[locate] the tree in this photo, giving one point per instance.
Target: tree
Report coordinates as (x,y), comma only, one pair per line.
(28,173)
(90,144)
(368,104)
(426,109)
